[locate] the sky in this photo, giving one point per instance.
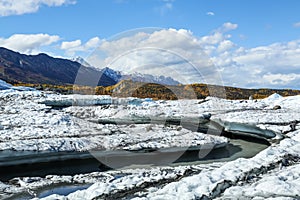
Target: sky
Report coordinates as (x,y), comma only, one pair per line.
(251,43)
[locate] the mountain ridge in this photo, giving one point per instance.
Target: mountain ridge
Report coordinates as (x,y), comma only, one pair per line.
(44,69)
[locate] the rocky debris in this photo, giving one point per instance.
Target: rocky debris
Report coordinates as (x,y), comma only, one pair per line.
(277,107)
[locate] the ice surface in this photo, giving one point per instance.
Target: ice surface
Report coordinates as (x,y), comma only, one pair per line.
(284,183)
(26,123)
(77,100)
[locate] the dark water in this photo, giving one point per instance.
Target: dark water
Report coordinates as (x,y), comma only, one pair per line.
(20,164)
(45,163)
(69,163)
(29,163)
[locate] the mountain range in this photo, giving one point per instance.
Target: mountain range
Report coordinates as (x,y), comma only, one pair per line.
(135,77)
(44,69)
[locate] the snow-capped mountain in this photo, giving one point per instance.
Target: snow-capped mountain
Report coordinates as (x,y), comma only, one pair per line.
(148,78)
(81,61)
(115,75)
(139,77)
(136,77)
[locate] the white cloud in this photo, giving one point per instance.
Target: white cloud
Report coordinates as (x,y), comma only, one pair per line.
(19,7)
(281,79)
(228,26)
(297,24)
(225,45)
(276,65)
(163,52)
(215,38)
(210,13)
(92,43)
(168,52)
(73,47)
(219,34)
(28,43)
(70,45)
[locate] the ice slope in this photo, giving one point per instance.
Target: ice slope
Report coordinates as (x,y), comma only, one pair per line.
(4,85)
(7,86)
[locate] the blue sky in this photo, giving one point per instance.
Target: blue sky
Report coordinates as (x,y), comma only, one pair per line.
(260,22)
(256,38)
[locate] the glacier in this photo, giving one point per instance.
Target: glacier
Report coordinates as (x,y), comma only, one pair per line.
(37,121)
